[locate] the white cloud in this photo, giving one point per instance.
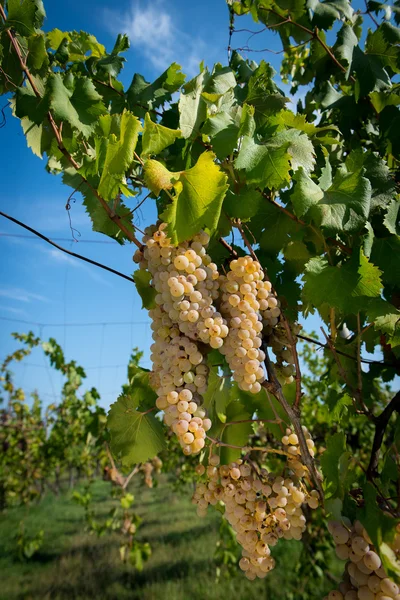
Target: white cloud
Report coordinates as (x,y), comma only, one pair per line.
(153,32)
(15,311)
(21,295)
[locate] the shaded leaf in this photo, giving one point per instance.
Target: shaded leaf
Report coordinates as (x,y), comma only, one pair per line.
(147,292)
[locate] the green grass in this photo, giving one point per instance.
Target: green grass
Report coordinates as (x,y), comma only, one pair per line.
(74,565)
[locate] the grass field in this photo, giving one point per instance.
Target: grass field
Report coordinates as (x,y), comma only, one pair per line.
(76,566)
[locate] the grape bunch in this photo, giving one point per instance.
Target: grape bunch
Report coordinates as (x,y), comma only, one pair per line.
(364,577)
(148,468)
(260,506)
(184,323)
(245,298)
(252,312)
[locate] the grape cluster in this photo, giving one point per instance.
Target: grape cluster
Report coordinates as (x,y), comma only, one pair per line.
(364,578)
(186,282)
(148,468)
(260,506)
(246,299)
(290,442)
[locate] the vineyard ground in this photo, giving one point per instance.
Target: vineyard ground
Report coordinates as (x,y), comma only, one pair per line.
(76,566)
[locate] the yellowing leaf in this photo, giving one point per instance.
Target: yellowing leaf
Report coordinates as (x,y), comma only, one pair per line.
(199,193)
(157,137)
(157,177)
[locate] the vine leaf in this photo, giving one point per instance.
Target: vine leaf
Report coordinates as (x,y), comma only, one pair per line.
(344,206)
(332,461)
(392,217)
(136,435)
(216,397)
(267,165)
(386,319)
(223,132)
(157,137)
(192,105)
(119,156)
(235,435)
(75,99)
(143,96)
(199,194)
(147,292)
(349,287)
(74,45)
(25,16)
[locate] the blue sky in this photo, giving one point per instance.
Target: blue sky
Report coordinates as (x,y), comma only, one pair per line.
(50,290)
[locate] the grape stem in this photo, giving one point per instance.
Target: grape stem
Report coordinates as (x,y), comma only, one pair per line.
(274,387)
(219,443)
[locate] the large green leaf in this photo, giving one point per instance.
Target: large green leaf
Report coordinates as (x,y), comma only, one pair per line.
(385,254)
(265,164)
(386,319)
(243,205)
(119,156)
(234,435)
(223,132)
(384,51)
(325,13)
(143,96)
(157,137)
(75,100)
(331,461)
(345,44)
(136,434)
(344,206)
(192,106)
(199,193)
(371,75)
(348,287)
(24,17)
(263,94)
(300,149)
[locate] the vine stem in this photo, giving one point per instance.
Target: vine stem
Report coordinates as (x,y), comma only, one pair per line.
(274,387)
(58,135)
(314,35)
(381,422)
(131,474)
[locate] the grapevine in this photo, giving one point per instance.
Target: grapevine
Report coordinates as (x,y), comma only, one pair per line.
(265,216)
